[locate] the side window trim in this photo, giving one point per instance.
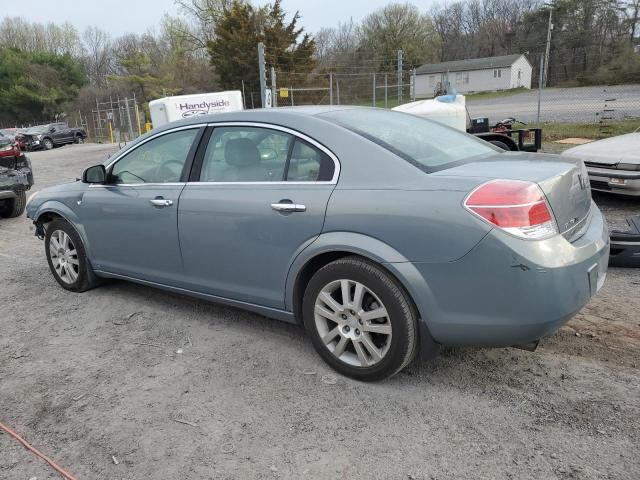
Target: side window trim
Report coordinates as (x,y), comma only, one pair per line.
(194,177)
(185,169)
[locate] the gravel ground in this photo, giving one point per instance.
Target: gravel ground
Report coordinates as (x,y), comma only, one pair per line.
(92,377)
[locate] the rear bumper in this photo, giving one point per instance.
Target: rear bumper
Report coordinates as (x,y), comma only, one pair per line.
(615,181)
(508,291)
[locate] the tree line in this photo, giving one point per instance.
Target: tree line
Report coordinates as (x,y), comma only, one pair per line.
(211,44)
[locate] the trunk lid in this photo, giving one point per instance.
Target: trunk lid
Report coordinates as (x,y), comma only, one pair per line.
(563,180)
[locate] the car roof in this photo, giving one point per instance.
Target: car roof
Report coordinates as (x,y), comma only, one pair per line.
(275,115)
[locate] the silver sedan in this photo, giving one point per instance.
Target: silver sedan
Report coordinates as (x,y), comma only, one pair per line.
(384,234)
(613,163)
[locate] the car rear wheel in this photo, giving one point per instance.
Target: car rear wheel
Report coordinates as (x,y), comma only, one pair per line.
(500,144)
(79,139)
(360,320)
(67,257)
(13,207)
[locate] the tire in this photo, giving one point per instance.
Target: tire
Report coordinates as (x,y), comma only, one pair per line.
(500,144)
(393,335)
(47,143)
(14,207)
(83,278)
(79,140)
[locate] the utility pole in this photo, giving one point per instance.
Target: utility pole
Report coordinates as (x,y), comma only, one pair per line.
(274,90)
(399,77)
(548,49)
(263,75)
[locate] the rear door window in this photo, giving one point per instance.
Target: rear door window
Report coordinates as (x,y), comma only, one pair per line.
(256,154)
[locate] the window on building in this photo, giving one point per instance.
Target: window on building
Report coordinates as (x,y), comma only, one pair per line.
(497,73)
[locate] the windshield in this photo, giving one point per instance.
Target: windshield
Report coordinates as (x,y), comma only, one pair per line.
(422,142)
(38,129)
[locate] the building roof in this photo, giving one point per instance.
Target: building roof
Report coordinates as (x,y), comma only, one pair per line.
(469,64)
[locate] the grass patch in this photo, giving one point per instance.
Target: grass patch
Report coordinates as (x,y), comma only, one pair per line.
(553,131)
(499,93)
(391,102)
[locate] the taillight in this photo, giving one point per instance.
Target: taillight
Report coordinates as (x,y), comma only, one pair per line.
(515,206)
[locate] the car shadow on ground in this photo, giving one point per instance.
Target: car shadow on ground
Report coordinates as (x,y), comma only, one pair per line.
(449,366)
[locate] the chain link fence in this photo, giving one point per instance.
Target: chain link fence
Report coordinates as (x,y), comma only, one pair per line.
(571,105)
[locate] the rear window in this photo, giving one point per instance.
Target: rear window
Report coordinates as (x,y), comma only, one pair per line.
(424,143)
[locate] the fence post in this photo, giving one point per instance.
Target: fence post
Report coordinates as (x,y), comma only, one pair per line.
(338,89)
(330,88)
(540,87)
(386,90)
(137,112)
(262,73)
(413,86)
(374,89)
(98,126)
(274,96)
(126,103)
(291,95)
(399,76)
(244,101)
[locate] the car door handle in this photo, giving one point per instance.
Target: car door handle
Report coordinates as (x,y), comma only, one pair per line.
(288,207)
(160,202)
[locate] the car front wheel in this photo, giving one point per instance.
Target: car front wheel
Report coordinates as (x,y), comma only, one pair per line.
(360,319)
(67,257)
(47,143)
(13,207)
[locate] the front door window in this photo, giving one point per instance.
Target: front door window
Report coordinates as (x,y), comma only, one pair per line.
(160,160)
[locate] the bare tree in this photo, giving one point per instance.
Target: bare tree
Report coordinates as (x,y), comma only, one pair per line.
(399,26)
(98,53)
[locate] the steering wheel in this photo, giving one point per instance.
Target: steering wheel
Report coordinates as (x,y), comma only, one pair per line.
(164,171)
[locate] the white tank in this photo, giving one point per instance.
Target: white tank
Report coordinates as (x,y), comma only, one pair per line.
(170,109)
(449,110)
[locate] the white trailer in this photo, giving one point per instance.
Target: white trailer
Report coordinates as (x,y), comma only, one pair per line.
(170,109)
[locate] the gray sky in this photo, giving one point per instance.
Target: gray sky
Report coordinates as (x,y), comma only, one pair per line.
(122,16)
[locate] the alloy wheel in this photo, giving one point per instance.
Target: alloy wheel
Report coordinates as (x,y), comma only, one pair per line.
(353,323)
(64,257)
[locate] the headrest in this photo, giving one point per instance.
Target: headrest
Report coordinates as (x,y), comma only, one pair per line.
(241,152)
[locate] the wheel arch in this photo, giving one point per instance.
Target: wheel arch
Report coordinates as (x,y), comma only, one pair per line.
(333,246)
(51,210)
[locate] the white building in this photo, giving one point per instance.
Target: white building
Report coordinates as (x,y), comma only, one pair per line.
(474,75)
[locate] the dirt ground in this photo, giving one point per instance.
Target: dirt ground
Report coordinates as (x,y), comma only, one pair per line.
(175,388)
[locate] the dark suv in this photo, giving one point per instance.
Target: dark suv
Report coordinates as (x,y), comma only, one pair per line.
(52,135)
(16,177)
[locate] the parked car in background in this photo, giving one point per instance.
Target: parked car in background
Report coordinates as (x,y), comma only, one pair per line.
(52,135)
(14,135)
(613,164)
(16,178)
(383,233)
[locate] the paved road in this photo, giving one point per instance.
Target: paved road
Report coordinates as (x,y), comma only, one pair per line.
(584,104)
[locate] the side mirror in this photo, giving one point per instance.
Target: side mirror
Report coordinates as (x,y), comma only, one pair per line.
(96,174)
(52,129)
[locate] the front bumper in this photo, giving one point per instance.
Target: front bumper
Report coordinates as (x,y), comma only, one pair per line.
(624,182)
(507,291)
